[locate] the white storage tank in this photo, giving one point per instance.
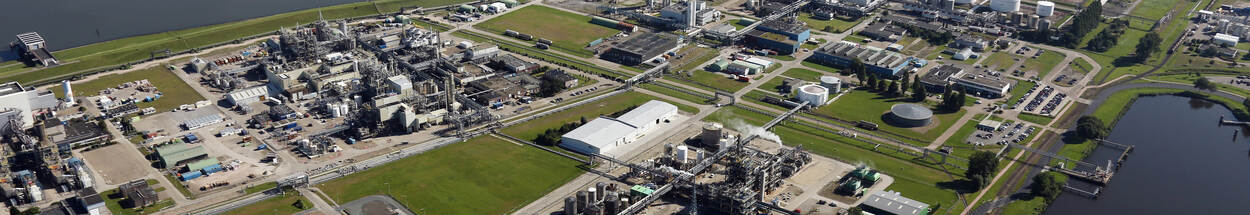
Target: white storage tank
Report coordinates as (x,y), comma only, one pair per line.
(681,154)
(833,84)
(814,95)
(1005,6)
(1045,8)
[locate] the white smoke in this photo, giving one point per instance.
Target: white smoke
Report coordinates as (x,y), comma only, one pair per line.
(748,129)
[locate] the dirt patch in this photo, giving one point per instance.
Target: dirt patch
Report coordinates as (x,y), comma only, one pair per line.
(113,164)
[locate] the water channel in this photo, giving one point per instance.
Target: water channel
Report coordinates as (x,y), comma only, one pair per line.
(68,24)
(1184,162)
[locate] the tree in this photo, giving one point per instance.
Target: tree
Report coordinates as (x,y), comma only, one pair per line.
(1246,102)
(1048,185)
(862,76)
(1090,127)
(892,88)
(858,67)
(881,85)
(1204,84)
(981,166)
(855,211)
(904,86)
(1147,45)
(14,210)
(917,93)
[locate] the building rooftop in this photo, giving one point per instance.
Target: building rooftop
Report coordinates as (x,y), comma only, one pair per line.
(911,111)
(647,113)
(10,88)
(781,26)
(941,75)
(987,82)
(647,44)
(894,203)
(29,38)
(601,132)
(770,36)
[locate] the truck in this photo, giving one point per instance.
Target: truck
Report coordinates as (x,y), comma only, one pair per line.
(867,125)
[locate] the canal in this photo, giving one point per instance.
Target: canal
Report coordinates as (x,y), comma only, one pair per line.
(1184,162)
(67,24)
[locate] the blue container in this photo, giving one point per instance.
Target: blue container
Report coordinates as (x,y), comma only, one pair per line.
(191,175)
(212,169)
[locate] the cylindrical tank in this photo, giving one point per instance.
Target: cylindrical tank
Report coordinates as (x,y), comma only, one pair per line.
(602,187)
(724,142)
(833,84)
(570,205)
(711,133)
(593,210)
(1005,6)
(814,95)
(681,154)
(611,203)
(1045,8)
(593,195)
(582,199)
(702,154)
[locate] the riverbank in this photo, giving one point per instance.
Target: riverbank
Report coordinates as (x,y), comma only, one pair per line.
(117,54)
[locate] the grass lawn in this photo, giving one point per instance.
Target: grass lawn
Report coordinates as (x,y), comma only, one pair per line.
(783,57)
(1043,64)
(1000,61)
(176,92)
(1154,9)
(530,130)
(772,85)
(1189,79)
(855,38)
(835,25)
(113,201)
(674,93)
(915,178)
(261,187)
(569,32)
(693,57)
(1018,91)
(542,55)
(803,74)
(717,80)
(820,67)
(277,205)
(94,57)
(868,106)
(1034,118)
(483,175)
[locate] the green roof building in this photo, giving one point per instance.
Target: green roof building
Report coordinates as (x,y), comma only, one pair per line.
(177,153)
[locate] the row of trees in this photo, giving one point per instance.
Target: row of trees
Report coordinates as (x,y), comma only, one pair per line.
(953,99)
(933,37)
(1109,37)
(1147,45)
(1070,37)
(889,88)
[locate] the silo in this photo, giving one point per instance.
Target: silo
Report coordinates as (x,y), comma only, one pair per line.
(833,84)
(594,210)
(602,188)
(1033,20)
(681,154)
(1045,8)
(711,133)
(814,95)
(592,195)
(582,199)
(1044,24)
(611,204)
(570,205)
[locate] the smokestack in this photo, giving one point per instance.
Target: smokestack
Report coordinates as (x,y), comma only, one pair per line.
(691,10)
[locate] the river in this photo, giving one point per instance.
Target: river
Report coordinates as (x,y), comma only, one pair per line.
(1184,163)
(72,23)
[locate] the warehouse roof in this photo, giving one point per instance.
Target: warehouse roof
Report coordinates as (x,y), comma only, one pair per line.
(647,44)
(781,26)
(201,164)
(601,132)
(647,113)
(986,82)
(894,203)
(173,153)
(941,75)
(252,92)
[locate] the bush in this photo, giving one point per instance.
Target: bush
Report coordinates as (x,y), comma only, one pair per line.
(1091,127)
(1048,185)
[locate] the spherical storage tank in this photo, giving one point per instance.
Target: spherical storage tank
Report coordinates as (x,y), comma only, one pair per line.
(1045,8)
(910,115)
(814,95)
(1005,5)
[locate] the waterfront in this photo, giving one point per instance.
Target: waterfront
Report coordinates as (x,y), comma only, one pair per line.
(1184,162)
(67,25)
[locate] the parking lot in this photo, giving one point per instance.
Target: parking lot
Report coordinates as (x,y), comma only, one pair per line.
(1008,132)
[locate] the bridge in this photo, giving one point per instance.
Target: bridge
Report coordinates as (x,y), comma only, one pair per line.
(1100,175)
(704,164)
(789,9)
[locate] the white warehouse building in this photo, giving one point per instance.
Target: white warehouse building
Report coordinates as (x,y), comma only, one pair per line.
(248,95)
(603,134)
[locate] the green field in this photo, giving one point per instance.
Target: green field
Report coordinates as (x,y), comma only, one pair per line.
(693,56)
(176,92)
(803,74)
(285,204)
(531,129)
(114,200)
(102,55)
(836,25)
(569,32)
(1034,118)
(1155,9)
(717,80)
(541,55)
(673,93)
(1000,61)
(863,105)
(1017,92)
(915,178)
(483,175)
(1043,64)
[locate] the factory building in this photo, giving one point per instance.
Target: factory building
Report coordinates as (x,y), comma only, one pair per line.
(884,31)
(23,103)
(891,202)
(937,79)
(641,48)
(880,62)
(172,155)
(680,13)
(603,134)
(247,96)
(33,47)
(782,37)
(1225,39)
(987,87)
(970,41)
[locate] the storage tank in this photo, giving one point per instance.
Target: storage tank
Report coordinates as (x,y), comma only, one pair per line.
(1005,6)
(1045,8)
(833,84)
(592,195)
(611,204)
(582,200)
(814,95)
(602,188)
(681,154)
(570,205)
(711,133)
(467,8)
